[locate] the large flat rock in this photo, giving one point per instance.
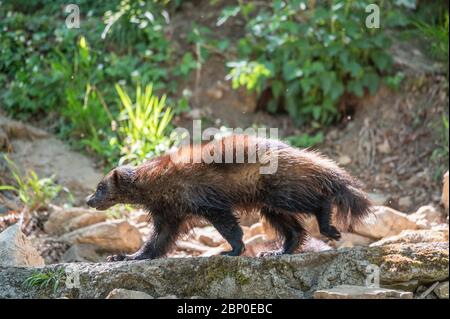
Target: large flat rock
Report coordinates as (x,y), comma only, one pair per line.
(294,276)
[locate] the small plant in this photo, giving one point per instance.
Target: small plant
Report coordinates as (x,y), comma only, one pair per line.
(437,34)
(43,280)
(309,56)
(143,125)
(305,140)
(34,192)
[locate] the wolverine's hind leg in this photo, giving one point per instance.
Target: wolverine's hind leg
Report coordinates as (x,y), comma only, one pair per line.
(288,226)
(323,216)
(227,225)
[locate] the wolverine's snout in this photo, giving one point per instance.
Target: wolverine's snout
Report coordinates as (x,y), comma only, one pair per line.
(90,200)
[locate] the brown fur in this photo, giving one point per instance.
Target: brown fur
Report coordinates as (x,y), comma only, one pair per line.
(174,190)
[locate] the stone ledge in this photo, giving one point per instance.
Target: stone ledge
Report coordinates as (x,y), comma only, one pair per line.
(294,276)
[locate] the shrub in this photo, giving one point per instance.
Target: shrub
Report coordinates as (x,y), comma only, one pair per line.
(309,58)
(34,192)
(143,125)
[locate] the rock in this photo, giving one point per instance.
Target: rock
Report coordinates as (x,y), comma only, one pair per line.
(384,222)
(315,245)
(10,129)
(208,236)
(169,297)
(405,286)
(361,292)
(426,217)
(119,293)
(16,249)
(140,217)
(384,148)
(378,199)
(309,222)
(445,193)
(214,93)
(112,236)
(405,202)
(255,244)
(50,156)
(289,276)
(256,229)
(82,253)
(349,240)
(344,160)
(414,237)
(442,290)
(63,220)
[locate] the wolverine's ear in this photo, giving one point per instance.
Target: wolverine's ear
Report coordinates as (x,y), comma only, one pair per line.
(116,177)
(122,174)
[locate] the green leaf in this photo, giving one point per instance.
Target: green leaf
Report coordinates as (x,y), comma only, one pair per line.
(382,60)
(355,87)
(277,88)
(291,71)
(371,81)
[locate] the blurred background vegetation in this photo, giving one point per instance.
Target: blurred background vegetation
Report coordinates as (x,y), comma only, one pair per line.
(112,87)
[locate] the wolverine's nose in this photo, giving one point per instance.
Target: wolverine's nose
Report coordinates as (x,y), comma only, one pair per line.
(90,200)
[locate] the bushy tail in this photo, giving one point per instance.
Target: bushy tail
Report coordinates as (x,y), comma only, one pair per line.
(352,205)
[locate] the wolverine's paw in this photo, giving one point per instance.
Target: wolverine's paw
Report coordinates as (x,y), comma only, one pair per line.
(119,257)
(332,233)
(270,253)
(230,253)
(235,252)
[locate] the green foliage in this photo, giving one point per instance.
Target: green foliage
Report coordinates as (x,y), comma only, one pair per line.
(143,125)
(436,33)
(43,280)
(248,74)
(48,69)
(305,140)
(34,192)
(315,55)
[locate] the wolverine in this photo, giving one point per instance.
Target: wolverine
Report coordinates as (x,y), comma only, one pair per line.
(221,179)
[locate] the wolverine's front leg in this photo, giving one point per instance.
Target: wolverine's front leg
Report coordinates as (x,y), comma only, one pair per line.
(165,232)
(227,225)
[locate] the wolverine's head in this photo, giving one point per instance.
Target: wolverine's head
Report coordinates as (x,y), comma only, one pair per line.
(115,188)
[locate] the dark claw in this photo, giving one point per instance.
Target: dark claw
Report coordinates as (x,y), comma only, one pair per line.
(332,233)
(118,257)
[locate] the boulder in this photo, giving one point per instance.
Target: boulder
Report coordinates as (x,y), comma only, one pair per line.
(378,199)
(414,237)
(256,229)
(361,292)
(16,249)
(120,293)
(348,240)
(445,190)
(384,222)
(426,217)
(207,235)
(63,220)
(405,286)
(50,156)
(112,236)
(82,253)
(308,221)
(441,290)
(255,244)
(289,276)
